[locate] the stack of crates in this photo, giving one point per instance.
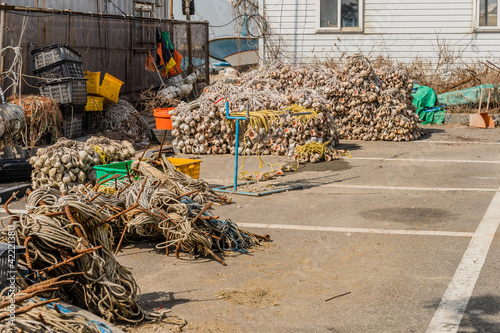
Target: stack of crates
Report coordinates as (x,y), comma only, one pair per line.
(62,79)
(107,91)
(94,110)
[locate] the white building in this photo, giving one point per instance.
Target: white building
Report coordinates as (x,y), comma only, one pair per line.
(306,30)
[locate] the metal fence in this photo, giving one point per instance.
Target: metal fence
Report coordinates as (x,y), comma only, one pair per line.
(115,7)
(109,44)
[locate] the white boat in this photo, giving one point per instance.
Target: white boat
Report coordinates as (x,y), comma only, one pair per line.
(237,51)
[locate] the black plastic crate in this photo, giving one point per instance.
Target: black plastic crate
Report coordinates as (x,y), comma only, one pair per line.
(66,91)
(73,126)
(62,69)
(51,54)
(9,254)
(70,110)
(94,121)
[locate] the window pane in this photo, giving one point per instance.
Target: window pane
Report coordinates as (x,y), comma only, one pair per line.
(328,14)
(488,10)
(350,13)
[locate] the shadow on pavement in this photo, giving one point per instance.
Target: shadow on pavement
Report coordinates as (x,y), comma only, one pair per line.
(475,318)
(429,131)
(167,300)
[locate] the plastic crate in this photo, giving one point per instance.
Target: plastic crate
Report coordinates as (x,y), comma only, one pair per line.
(93,79)
(61,69)
(73,126)
(70,110)
(66,91)
(94,103)
(112,169)
(110,88)
(190,167)
(8,262)
(51,54)
(94,122)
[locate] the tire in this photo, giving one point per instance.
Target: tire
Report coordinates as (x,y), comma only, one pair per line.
(15,170)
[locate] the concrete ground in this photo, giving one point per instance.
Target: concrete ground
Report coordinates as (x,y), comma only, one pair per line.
(402,237)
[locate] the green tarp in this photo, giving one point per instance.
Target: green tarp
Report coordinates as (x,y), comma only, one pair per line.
(467,96)
(426,100)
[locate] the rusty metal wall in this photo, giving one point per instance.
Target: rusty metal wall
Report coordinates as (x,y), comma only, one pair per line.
(117,7)
(109,44)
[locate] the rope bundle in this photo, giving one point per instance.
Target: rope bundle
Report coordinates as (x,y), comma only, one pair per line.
(124,118)
(43,118)
(34,315)
(70,237)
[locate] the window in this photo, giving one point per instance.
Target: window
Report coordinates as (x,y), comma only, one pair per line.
(488,14)
(339,15)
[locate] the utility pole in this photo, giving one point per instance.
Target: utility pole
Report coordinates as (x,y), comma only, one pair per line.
(189,38)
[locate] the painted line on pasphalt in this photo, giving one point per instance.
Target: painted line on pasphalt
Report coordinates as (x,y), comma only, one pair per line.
(331,229)
(356,230)
(406,188)
(420,160)
(460,142)
(451,309)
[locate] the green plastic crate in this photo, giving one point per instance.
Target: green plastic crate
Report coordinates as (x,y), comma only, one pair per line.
(112,169)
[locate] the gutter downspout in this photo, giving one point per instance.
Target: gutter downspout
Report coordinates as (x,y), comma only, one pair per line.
(2,32)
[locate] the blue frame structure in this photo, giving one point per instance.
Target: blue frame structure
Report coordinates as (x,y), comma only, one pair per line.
(235,186)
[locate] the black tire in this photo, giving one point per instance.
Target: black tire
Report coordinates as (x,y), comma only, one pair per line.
(15,170)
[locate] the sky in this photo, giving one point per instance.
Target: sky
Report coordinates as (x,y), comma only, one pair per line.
(216,12)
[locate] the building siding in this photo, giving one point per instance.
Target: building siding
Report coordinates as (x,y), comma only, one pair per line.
(402,30)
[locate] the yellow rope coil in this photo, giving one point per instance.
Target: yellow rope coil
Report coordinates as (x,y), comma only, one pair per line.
(103,158)
(263,118)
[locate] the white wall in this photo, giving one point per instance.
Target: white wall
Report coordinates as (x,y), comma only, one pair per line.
(402,29)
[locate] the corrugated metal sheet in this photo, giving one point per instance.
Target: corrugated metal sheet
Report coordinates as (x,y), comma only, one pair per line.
(116,7)
(109,44)
(399,29)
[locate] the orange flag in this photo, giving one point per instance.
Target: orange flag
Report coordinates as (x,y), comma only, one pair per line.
(150,63)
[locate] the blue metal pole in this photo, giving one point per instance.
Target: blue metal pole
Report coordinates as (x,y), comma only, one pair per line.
(236,155)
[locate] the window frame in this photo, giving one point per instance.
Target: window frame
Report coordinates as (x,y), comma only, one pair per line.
(477,12)
(320,29)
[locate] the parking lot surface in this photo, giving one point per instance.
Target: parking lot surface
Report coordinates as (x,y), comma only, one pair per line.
(401,237)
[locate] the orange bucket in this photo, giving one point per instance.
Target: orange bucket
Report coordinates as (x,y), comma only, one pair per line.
(162,118)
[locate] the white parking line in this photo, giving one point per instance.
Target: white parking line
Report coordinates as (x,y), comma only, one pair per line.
(420,160)
(460,142)
(454,302)
(356,230)
(331,229)
(406,188)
